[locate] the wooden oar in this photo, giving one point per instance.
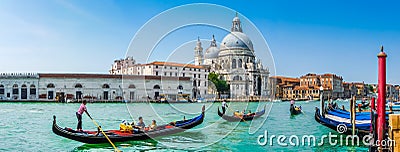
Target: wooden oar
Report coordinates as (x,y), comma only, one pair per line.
(105,135)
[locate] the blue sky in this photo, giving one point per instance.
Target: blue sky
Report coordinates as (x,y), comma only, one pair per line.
(303,36)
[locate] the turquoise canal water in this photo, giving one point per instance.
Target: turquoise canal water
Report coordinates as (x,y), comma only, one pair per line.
(27,127)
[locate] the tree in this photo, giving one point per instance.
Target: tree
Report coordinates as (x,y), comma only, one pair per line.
(371,88)
(221,85)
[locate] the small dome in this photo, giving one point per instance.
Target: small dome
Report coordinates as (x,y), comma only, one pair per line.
(235,19)
(211,52)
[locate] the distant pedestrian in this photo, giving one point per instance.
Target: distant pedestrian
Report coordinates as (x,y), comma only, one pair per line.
(79,113)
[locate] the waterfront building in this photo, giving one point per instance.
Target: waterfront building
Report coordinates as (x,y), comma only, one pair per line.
(69,86)
(391,92)
(197,74)
(349,90)
(16,86)
(310,85)
(283,87)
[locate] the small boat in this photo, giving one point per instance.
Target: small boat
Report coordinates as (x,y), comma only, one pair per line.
(363,105)
(94,137)
(394,105)
(200,100)
(247,117)
(295,110)
(335,118)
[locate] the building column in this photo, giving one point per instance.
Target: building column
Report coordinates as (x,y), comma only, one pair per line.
(19,92)
(37,92)
(28,92)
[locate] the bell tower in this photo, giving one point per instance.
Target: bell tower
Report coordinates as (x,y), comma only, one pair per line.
(236,27)
(198,53)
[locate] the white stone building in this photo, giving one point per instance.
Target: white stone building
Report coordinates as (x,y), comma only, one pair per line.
(198,75)
(235,62)
(51,86)
(17,86)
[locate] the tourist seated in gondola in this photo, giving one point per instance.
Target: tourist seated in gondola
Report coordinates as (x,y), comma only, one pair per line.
(141,124)
(237,113)
(125,127)
(153,125)
(250,113)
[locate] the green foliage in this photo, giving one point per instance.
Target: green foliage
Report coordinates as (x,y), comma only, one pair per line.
(370,88)
(221,85)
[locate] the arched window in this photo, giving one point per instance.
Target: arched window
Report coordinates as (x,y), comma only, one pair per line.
(156,87)
(15,89)
(132,86)
(234,64)
(2,89)
(240,63)
(23,86)
(50,85)
(32,90)
(237,78)
(106,86)
(78,85)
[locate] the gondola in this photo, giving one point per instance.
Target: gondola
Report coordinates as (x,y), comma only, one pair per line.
(294,111)
(94,137)
(363,105)
(244,118)
(335,117)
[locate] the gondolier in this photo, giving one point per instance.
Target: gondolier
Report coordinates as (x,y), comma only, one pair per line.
(224,105)
(79,113)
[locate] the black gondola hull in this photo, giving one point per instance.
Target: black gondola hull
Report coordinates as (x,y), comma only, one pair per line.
(245,117)
(329,124)
(293,110)
(89,137)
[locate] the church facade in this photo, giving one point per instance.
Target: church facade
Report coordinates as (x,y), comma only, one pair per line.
(235,61)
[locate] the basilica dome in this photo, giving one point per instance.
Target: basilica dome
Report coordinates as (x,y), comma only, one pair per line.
(236,43)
